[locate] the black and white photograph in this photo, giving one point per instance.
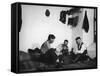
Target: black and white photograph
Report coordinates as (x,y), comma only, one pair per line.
(55,37)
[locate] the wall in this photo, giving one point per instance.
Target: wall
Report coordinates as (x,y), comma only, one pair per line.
(77,31)
(36,26)
(87,38)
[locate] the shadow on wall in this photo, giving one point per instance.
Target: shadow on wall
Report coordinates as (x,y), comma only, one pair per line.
(92,50)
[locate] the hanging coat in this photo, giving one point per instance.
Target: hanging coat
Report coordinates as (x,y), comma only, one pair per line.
(73,21)
(47,13)
(85,23)
(63,16)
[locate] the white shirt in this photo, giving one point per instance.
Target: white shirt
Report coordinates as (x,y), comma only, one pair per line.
(83,48)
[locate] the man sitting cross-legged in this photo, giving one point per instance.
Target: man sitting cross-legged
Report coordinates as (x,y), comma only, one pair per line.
(63,53)
(48,54)
(81,51)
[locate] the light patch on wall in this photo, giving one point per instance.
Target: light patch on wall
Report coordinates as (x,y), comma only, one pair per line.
(36,27)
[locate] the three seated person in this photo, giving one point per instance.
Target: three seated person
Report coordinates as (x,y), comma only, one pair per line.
(51,56)
(81,51)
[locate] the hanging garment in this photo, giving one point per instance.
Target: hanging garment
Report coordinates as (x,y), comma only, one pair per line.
(73,11)
(47,13)
(63,16)
(85,23)
(73,21)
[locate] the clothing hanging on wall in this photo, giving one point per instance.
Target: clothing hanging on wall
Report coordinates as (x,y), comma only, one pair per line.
(63,16)
(73,21)
(85,23)
(73,11)
(47,13)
